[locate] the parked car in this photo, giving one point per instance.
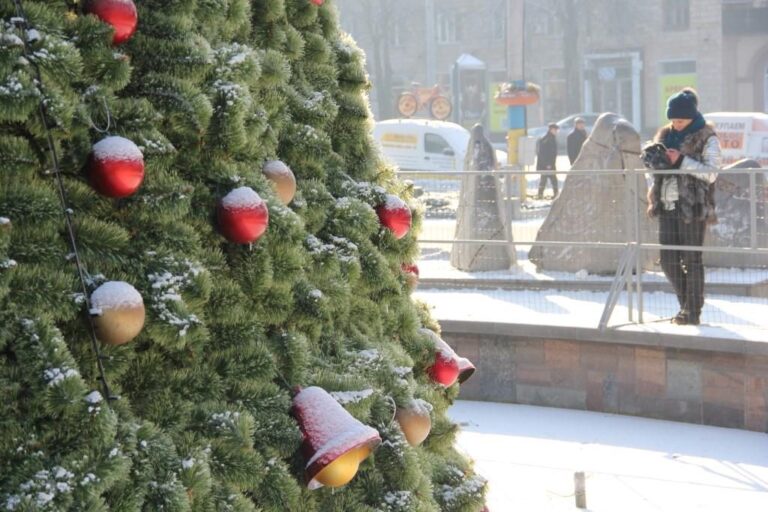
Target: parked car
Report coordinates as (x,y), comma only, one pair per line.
(566,127)
(425,145)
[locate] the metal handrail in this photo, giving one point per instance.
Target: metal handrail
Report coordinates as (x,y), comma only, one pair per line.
(573,172)
(634,247)
(605,245)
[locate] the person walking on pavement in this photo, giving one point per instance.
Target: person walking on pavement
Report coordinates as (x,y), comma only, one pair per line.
(684,203)
(576,139)
(546,159)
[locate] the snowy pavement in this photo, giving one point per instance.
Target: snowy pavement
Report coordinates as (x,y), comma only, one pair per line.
(722,317)
(529,455)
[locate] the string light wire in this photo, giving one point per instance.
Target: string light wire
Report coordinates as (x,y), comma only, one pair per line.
(22,23)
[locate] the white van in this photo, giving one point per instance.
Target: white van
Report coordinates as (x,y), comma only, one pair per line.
(742,135)
(425,145)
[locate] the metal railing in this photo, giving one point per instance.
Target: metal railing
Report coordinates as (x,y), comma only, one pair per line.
(594,236)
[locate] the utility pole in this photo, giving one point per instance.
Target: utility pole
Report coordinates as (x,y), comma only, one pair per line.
(430,42)
(516,39)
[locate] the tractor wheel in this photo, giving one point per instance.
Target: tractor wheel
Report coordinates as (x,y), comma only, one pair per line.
(407,104)
(440,108)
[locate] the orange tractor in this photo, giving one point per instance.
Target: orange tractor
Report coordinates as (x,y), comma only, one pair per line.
(438,105)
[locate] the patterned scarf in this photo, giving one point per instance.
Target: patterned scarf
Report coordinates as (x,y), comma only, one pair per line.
(674,139)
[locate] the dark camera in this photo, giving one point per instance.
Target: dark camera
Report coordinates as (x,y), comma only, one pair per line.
(654,156)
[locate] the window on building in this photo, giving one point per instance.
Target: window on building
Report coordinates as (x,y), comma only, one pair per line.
(741,19)
(765,95)
(448,30)
(540,21)
(621,14)
(678,67)
(677,14)
(555,91)
(434,143)
(397,34)
(498,24)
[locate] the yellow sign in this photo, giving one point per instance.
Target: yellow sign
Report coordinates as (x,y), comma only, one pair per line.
(399,140)
(669,85)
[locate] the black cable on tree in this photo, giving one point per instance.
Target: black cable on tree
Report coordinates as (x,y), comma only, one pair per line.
(23,24)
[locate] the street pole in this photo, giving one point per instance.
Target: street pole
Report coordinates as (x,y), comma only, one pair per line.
(521,40)
(506,35)
(431,42)
(515,39)
(517,122)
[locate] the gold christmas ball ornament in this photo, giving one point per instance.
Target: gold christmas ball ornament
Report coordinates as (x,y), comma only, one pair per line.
(282,178)
(415,421)
(118,312)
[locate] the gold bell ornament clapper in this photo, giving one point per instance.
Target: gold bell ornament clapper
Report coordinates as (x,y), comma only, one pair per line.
(335,442)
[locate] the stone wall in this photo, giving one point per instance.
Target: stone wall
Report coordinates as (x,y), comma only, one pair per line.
(692,379)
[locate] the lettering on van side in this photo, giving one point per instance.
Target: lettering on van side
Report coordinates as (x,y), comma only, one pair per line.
(730,126)
(398,140)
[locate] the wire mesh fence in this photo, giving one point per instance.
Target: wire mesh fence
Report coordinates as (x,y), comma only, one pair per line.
(493,249)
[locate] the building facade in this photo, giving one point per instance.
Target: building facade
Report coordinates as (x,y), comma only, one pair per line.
(631,56)
(588,55)
(745,55)
(410,42)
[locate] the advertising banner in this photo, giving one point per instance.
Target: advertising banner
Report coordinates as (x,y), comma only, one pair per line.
(669,85)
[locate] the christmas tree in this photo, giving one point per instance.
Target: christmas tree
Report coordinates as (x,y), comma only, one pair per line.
(199,247)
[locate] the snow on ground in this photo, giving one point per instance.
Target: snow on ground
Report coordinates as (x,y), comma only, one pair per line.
(723,316)
(529,455)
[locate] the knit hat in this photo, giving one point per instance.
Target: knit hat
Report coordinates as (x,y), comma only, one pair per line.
(683,105)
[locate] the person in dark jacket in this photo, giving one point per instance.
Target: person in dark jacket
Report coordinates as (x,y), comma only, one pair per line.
(684,203)
(576,139)
(545,160)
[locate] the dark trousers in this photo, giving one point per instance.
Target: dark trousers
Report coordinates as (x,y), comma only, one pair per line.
(684,269)
(543,183)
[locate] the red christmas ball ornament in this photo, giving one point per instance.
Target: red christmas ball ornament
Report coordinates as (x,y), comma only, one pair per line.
(395,215)
(121,14)
(317,2)
(115,167)
(242,216)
